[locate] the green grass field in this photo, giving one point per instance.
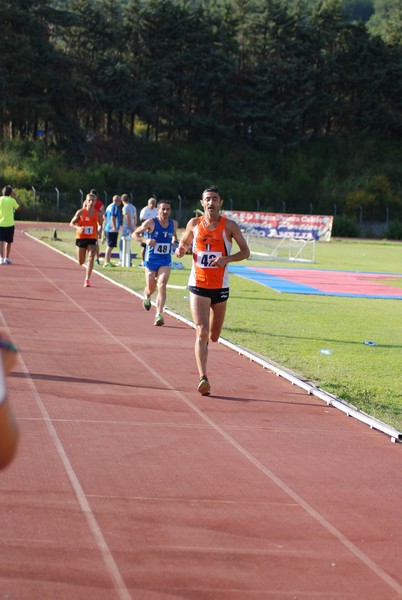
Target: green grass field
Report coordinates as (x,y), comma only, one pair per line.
(291,329)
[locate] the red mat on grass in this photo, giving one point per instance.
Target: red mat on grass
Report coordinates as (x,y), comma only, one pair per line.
(324,282)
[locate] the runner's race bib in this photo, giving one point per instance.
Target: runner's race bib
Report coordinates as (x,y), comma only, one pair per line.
(88,230)
(162,249)
(204,259)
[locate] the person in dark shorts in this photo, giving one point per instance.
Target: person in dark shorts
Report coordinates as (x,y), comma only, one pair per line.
(88,222)
(8,205)
(210,237)
(112,227)
(159,234)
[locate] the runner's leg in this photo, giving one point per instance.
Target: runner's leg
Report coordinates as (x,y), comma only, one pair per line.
(91,259)
(162,279)
(81,253)
(200,308)
(217,318)
(150,283)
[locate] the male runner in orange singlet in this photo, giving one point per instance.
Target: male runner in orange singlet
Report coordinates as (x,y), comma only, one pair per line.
(211,236)
(88,222)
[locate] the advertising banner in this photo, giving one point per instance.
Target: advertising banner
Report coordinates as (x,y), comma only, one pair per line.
(278,225)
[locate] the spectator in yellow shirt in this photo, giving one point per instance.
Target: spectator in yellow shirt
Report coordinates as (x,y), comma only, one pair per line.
(8,205)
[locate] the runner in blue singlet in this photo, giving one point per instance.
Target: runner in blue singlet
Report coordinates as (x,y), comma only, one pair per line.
(159,234)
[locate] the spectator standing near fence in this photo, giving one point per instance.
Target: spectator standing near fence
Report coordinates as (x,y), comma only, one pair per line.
(8,205)
(129,222)
(112,227)
(148,212)
(211,237)
(158,234)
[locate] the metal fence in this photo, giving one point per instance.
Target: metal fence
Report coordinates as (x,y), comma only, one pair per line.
(55,205)
(58,206)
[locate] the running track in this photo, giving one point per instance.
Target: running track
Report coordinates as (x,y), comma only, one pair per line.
(129,485)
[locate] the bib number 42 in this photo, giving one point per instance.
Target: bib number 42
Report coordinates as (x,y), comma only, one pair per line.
(205,259)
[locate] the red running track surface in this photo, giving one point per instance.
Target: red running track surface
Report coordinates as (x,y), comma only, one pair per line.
(129,485)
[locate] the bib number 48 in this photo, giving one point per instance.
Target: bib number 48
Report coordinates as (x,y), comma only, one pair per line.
(162,249)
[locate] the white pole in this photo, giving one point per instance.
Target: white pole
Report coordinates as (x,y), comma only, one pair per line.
(126,252)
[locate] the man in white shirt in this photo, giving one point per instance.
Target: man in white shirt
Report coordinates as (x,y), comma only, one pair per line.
(129,222)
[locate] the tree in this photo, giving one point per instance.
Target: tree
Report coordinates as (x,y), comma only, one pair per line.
(186,70)
(277,73)
(30,68)
(358,10)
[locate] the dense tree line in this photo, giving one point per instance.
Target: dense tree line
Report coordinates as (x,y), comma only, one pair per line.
(271,72)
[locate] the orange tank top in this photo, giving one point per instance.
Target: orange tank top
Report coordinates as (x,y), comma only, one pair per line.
(90,225)
(207,245)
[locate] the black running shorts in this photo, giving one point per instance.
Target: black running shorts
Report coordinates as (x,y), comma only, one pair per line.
(216,296)
(85,242)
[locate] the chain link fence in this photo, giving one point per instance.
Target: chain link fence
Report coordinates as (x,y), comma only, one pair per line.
(55,205)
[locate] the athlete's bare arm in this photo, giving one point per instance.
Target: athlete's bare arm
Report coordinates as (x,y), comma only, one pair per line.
(76,218)
(175,226)
(186,238)
(146,226)
(100,225)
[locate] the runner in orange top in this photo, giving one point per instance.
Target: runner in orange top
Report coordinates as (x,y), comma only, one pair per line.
(211,237)
(88,222)
(208,245)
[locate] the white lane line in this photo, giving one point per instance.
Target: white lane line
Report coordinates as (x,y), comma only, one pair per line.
(111,566)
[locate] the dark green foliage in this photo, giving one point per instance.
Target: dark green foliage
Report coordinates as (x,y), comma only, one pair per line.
(288,105)
(345,227)
(394,231)
(269,75)
(358,10)
(350,180)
